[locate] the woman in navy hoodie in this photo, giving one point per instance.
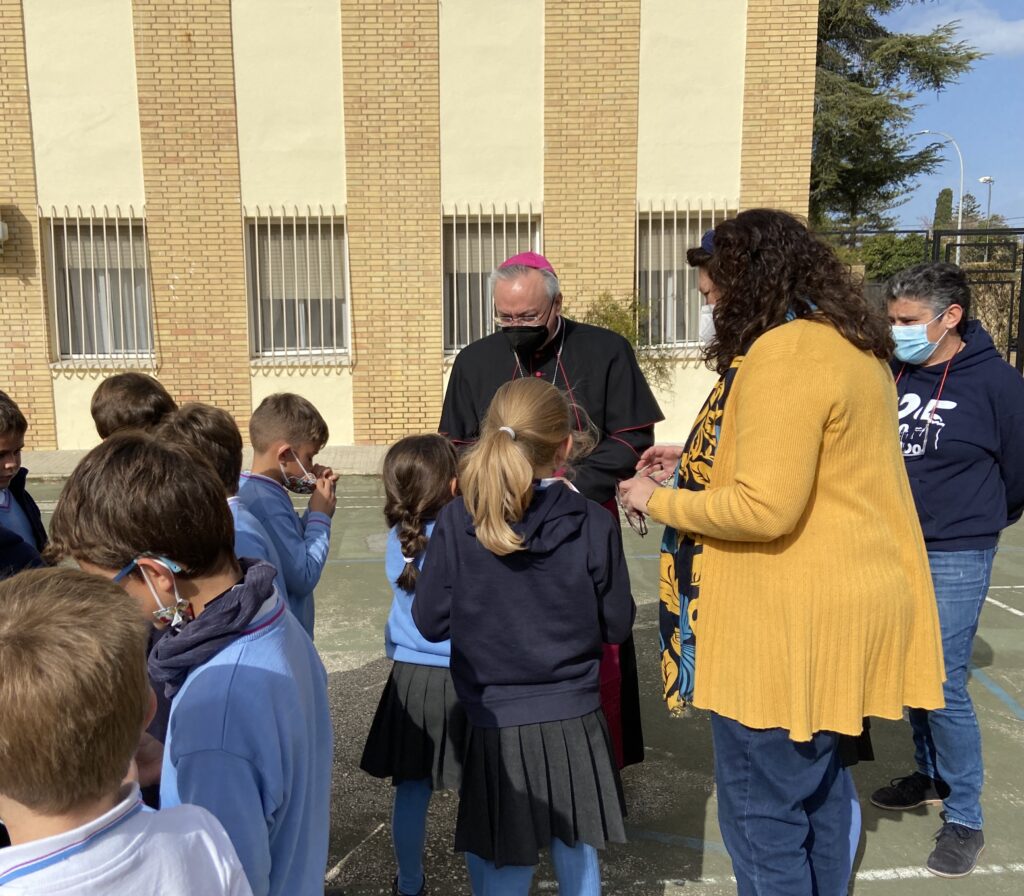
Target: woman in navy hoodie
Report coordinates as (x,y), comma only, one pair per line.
(528,579)
(961,417)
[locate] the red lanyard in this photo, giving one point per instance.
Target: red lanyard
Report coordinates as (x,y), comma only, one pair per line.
(938,398)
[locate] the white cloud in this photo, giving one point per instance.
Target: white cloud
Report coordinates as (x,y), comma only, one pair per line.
(980,24)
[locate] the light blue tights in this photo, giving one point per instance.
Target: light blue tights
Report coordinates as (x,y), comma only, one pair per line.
(576,868)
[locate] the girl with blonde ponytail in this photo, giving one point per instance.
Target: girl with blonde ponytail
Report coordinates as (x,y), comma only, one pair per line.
(526,435)
(528,580)
(418,732)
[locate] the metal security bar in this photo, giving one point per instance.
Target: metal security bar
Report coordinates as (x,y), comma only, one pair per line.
(297,278)
(666,286)
(97,285)
(475,240)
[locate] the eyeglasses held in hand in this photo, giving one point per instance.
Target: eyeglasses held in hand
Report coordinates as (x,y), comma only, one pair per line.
(636,520)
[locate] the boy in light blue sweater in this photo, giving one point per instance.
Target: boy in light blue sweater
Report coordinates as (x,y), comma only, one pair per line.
(249,737)
(212,435)
(286,432)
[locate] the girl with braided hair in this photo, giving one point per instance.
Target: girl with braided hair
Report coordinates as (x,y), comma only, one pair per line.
(417,734)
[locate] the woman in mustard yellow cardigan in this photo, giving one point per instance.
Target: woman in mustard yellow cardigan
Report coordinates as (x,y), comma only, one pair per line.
(815,604)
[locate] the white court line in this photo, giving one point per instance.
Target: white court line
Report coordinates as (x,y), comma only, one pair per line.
(1006,607)
(919,871)
(336,870)
(909,872)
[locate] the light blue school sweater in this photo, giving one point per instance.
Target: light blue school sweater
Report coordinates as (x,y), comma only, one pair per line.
(402,640)
(250,740)
(252,540)
(302,543)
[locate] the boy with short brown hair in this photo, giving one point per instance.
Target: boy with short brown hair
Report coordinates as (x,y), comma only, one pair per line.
(68,731)
(249,736)
(286,432)
(129,400)
(212,435)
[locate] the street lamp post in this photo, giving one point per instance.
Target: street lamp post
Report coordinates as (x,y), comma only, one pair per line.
(960,207)
(988,209)
(988,181)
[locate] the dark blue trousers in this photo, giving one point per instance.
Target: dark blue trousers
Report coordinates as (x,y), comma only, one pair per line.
(783,811)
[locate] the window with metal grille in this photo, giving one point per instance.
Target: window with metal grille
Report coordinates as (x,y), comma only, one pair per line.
(97,285)
(474,242)
(297,281)
(666,286)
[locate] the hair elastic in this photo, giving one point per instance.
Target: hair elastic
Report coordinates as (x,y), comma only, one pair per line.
(509,430)
(408,559)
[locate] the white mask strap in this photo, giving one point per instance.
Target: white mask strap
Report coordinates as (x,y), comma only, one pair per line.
(174,615)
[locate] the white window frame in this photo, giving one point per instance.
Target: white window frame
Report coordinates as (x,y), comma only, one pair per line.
(668,301)
(287,301)
(92,324)
(467,309)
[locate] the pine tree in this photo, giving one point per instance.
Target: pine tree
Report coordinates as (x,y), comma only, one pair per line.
(973,215)
(864,163)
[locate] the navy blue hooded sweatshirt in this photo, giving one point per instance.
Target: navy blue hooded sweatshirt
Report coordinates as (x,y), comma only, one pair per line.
(966,466)
(527,628)
(15,553)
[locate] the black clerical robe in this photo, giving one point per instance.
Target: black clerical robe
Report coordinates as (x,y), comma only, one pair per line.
(594,366)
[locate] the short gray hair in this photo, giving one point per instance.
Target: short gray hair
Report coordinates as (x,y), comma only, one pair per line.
(514,271)
(937,284)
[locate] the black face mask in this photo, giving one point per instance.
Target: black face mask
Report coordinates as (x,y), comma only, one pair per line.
(526,340)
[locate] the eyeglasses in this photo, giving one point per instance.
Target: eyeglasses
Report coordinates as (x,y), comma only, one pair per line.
(515,320)
(170,564)
(636,520)
(523,320)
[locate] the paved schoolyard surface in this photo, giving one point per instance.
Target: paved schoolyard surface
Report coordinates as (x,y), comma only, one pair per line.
(675,846)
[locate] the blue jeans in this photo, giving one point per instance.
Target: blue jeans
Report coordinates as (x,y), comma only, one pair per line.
(947,741)
(784,810)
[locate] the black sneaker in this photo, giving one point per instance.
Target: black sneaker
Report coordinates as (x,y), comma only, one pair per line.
(956,850)
(422,890)
(910,792)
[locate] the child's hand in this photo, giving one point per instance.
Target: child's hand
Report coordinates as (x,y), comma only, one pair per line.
(324,499)
(322,472)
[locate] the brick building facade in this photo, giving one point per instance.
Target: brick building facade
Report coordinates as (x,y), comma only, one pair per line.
(248,198)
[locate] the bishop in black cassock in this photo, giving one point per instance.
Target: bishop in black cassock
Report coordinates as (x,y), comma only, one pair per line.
(598,371)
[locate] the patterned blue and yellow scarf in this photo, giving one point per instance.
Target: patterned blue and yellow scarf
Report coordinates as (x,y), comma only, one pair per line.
(679,584)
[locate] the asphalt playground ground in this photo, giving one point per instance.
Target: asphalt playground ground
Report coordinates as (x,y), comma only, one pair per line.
(675,846)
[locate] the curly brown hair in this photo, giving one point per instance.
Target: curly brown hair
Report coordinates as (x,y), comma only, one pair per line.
(767,264)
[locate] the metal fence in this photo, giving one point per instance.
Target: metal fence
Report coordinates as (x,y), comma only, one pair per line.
(992,259)
(668,301)
(474,240)
(97,285)
(297,281)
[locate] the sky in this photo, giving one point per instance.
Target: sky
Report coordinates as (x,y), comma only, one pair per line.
(983,111)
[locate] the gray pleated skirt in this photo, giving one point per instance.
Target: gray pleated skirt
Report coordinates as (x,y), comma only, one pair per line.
(524,786)
(419,729)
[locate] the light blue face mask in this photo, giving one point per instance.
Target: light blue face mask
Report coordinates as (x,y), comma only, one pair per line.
(912,344)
